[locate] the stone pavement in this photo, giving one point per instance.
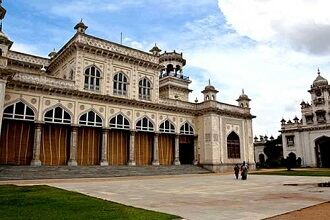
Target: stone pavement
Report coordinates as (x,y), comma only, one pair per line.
(207,196)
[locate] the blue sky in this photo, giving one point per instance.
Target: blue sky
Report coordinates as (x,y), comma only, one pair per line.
(271,48)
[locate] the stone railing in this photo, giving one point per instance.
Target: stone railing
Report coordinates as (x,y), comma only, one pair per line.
(222,106)
(177,103)
(27,58)
(44,80)
(113,47)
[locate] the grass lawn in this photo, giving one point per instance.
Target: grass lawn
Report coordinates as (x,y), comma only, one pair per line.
(296,172)
(44,202)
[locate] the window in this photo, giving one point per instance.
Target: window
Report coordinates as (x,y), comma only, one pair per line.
(144,125)
(90,119)
(144,89)
(57,115)
(119,121)
(19,111)
(233,146)
(186,129)
(309,119)
(120,84)
(167,127)
(290,141)
(92,78)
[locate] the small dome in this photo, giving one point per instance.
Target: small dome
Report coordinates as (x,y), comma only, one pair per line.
(209,87)
(155,48)
(320,81)
(243,96)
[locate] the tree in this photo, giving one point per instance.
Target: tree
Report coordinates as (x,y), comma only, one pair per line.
(274,151)
(290,161)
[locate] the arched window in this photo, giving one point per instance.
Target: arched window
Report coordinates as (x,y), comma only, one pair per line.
(90,119)
(186,129)
(144,124)
(92,78)
(19,111)
(145,89)
(57,115)
(167,127)
(120,84)
(119,121)
(233,146)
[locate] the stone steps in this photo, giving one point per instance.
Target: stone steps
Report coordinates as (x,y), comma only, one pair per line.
(68,172)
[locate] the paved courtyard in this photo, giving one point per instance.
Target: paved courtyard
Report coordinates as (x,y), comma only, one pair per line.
(203,196)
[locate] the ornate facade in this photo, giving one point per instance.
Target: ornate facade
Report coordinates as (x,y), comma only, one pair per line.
(309,137)
(95,102)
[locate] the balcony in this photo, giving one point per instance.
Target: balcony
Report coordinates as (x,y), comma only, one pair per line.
(174,74)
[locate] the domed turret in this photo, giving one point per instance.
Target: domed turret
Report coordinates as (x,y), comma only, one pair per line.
(243,100)
(210,93)
(320,81)
(81,27)
(155,50)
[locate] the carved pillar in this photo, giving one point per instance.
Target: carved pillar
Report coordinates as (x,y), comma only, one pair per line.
(155,151)
(73,146)
(36,146)
(131,159)
(104,147)
(2,99)
(176,151)
(195,162)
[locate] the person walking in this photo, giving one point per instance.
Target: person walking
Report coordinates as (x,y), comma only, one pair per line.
(236,171)
(244,171)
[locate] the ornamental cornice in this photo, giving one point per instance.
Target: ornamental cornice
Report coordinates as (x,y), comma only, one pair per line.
(302,129)
(50,85)
(37,79)
(27,58)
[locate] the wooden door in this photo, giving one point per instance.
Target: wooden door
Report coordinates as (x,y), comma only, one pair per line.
(89,144)
(55,145)
(143,148)
(16,142)
(186,149)
(118,141)
(166,149)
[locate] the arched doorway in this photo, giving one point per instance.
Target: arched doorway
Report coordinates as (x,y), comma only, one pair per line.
(144,141)
(166,143)
(89,139)
(186,144)
(261,158)
(55,137)
(17,135)
(322,151)
(118,140)
(233,146)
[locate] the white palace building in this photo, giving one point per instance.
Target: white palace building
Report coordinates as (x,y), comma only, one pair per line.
(309,138)
(96,102)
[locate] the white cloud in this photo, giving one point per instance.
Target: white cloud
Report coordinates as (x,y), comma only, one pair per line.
(302,24)
(25,48)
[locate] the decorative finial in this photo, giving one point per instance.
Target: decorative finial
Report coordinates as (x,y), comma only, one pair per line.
(242,91)
(318,71)
(196,100)
(209,82)
(81,20)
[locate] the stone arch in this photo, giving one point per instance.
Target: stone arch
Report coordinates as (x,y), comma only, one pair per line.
(233,145)
(124,117)
(170,122)
(25,103)
(61,106)
(145,117)
(96,112)
(183,128)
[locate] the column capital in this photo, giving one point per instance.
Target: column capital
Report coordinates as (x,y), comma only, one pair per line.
(157,133)
(38,124)
(105,130)
(132,132)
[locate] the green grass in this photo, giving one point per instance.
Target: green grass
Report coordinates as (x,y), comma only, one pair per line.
(296,172)
(44,202)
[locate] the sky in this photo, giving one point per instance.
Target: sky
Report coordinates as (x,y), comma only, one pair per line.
(271,48)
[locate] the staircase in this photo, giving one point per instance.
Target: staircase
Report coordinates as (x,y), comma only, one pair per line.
(67,172)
